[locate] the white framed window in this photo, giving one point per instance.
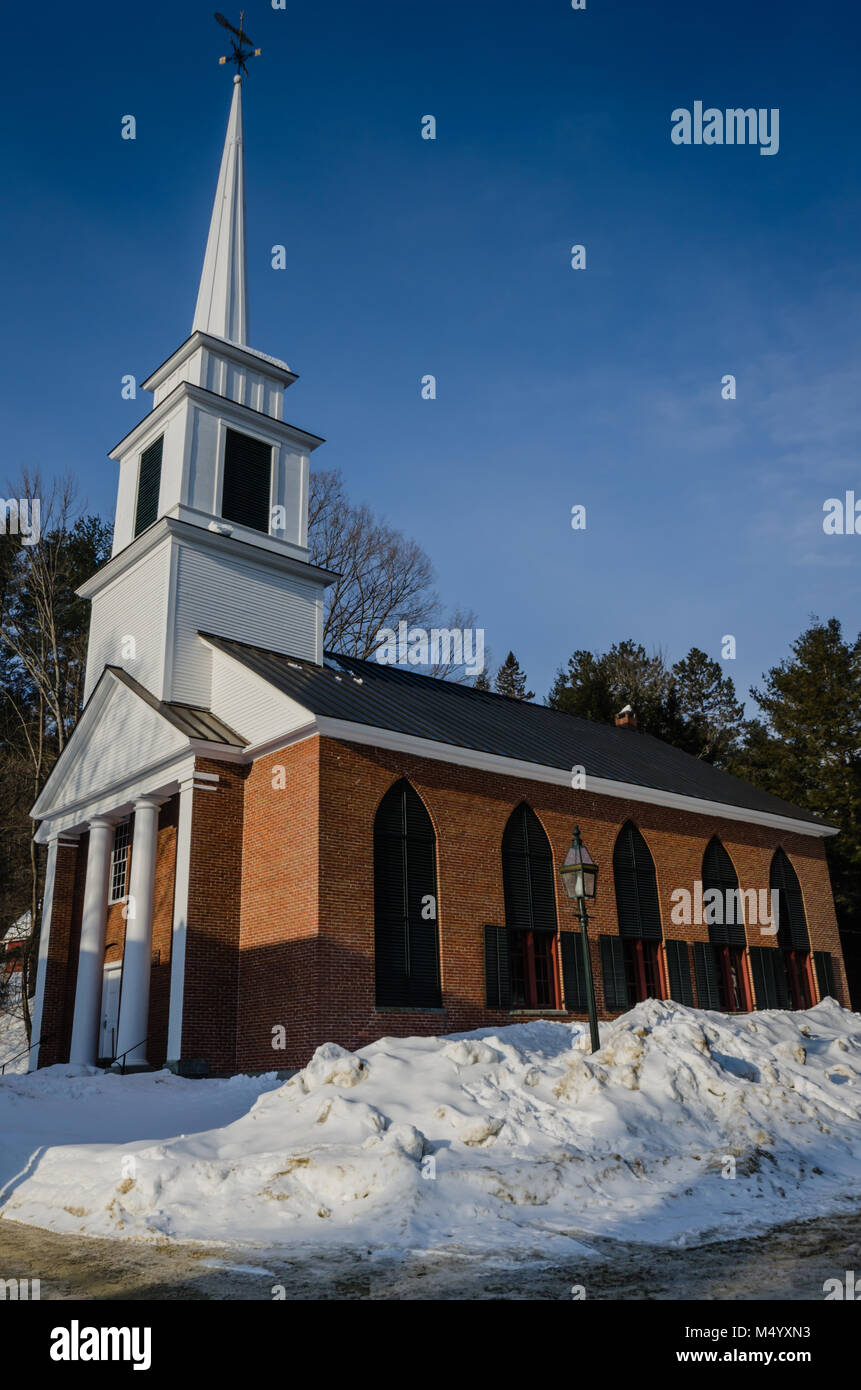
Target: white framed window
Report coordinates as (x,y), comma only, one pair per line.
(119,862)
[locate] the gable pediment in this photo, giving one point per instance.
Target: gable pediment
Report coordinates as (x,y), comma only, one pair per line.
(118,737)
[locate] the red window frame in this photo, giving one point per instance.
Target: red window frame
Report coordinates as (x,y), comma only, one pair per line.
(799,977)
(736,995)
(534,973)
(645,969)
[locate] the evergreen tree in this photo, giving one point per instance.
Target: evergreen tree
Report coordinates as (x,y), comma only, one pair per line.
(710,713)
(692,706)
(511,681)
(808,748)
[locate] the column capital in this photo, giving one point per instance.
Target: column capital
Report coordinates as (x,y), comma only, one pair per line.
(200,781)
(150,801)
(100,823)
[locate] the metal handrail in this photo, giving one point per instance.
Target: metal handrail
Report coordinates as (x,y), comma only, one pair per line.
(37,1043)
(125,1054)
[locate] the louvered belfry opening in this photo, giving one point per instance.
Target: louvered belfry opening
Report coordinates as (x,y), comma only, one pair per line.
(406,929)
(792,935)
(722,981)
(246,492)
(149,486)
(639,917)
(530,911)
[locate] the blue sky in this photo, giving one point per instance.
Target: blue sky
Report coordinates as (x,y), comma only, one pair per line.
(451,257)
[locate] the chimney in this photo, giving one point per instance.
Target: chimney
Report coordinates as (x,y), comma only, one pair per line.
(626,718)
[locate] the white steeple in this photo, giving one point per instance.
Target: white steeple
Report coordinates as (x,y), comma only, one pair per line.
(211,529)
(222,300)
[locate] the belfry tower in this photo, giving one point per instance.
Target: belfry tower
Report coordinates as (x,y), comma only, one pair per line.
(211,523)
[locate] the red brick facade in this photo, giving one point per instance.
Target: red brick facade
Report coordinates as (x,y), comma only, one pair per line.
(280,941)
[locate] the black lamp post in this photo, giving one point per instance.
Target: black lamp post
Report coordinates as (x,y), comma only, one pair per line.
(580,878)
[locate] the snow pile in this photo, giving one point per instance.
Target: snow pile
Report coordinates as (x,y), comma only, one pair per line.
(687,1125)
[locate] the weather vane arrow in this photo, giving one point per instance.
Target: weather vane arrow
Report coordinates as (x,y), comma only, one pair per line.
(244,49)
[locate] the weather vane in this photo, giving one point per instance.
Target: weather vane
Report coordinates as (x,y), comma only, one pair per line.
(243,50)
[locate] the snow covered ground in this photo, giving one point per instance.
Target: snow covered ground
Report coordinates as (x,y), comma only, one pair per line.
(687,1126)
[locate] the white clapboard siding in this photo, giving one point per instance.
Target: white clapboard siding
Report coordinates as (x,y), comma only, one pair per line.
(232,598)
(133,607)
(250,705)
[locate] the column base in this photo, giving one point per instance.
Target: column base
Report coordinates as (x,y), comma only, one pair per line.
(130,1068)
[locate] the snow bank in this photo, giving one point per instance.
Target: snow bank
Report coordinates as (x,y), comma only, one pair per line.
(686,1126)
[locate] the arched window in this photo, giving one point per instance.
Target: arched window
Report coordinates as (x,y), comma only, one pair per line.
(792,935)
(530,911)
(639,955)
(721,971)
(406,936)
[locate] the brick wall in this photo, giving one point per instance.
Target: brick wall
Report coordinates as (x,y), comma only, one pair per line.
(63,944)
(307,926)
(212,941)
(279,945)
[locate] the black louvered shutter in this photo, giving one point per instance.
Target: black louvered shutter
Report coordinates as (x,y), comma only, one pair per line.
(679,968)
(406,929)
(824,974)
(636,886)
(497,973)
(149,486)
(769,978)
(719,873)
(527,873)
(707,975)
(792,925)
(573,977)
(391,938)
(247,481)
(515,873)
(613,971)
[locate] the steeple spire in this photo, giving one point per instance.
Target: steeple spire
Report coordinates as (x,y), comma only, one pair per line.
(222,300)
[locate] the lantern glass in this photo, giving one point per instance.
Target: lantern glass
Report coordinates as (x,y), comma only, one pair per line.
(579,872)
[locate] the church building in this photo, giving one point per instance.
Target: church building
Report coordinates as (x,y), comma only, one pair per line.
(255,846)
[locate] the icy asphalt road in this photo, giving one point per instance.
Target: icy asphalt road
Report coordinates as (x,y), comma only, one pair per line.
(789,1262)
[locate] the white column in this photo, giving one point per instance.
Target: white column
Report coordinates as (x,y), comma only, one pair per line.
(91,957)
(180,920)
(137,953)
(44,938)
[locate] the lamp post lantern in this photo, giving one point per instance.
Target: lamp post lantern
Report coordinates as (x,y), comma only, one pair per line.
(579,875)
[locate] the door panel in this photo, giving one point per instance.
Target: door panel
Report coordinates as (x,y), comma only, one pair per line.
(110,1011)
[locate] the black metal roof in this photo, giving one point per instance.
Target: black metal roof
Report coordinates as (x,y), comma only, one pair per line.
(190,720)
(397,699)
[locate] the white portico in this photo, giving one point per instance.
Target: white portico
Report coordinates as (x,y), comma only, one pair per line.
(91,793)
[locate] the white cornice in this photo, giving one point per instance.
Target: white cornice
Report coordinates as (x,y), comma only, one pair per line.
(161,778)
(243,356)
(240,415)
(268,552)
(515,767)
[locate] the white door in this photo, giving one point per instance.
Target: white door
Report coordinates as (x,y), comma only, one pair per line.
(110,1011)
